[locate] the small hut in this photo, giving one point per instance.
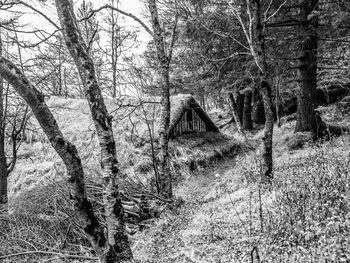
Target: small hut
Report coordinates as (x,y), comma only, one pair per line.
(187,116)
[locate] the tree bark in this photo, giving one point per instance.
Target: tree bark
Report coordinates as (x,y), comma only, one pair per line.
(265,89)
(3,163)
(258,107)
(278,101)
(164,179)
(307,118)
(66,150)
(247,112)
(240,105)
(235,113)
(117,248)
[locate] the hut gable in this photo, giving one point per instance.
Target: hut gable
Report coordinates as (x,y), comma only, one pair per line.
(187,116)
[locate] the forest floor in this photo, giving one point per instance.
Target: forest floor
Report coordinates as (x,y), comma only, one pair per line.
(190,233)
(228,215)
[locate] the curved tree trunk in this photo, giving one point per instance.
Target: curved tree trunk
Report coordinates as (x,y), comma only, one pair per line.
(64,149)
(307,118)
(247,112)
(117,248)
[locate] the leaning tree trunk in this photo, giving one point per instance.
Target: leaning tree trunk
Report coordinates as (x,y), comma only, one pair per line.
(235,113)
(66,150)
(265,89)
(117,248)
(164,178)
(247,111)
(307,118)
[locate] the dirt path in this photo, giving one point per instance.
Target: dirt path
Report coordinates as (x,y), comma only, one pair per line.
(170,240)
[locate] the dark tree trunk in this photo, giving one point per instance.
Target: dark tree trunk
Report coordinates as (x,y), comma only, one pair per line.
(235,113)
(247,112)
(240,105)
(278,100)
(258,108)
(307,118)
(268,131)
(3,163)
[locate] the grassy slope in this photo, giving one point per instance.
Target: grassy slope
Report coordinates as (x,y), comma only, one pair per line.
(228,216)
(222,219)
(38,163)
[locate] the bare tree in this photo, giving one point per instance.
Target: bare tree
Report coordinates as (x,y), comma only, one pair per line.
(254,30)
(13,120)
(164,51)
(164,55)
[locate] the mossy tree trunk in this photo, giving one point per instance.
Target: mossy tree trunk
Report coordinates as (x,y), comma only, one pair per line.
(117,247)
(307,118)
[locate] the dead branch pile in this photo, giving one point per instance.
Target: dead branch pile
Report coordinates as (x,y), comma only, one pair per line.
(140,204)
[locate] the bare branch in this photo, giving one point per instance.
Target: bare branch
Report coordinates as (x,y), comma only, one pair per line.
(121,12)
(40,13)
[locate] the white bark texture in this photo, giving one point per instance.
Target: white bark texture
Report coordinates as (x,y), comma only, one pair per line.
(164,178)
(117,248)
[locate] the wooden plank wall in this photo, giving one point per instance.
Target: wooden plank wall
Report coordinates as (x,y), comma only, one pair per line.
(183,126)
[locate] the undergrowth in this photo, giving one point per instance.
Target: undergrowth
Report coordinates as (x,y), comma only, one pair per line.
(304,216)
(310,218)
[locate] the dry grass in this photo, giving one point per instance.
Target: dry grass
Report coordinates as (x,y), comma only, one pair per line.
(228,215)
(42,218)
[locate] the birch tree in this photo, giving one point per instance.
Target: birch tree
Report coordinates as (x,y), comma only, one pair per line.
(3,163)
(66,150)
(164,55)
(164,48)
(117,247)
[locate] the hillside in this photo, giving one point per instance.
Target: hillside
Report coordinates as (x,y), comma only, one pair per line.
(229,216)
(38,161)
(223,212)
